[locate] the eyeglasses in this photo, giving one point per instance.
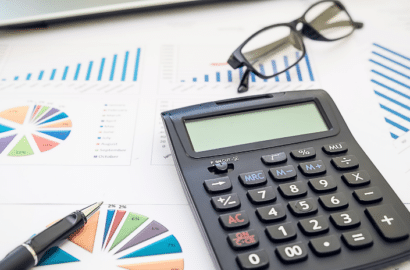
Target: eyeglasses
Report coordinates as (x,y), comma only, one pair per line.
(280,46)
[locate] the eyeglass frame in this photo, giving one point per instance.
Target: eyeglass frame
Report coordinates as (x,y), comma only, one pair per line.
(237,59)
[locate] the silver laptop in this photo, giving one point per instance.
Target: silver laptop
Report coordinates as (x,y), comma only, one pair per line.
(31,12)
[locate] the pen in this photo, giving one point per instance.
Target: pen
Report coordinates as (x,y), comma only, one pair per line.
(28,254)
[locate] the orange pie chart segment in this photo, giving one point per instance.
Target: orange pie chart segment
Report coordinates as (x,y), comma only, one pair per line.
(85,237)
(63,124)
(17,114)
(163,265)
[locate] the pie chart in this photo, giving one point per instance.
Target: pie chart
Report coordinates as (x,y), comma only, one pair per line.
(27,130)
(126,237)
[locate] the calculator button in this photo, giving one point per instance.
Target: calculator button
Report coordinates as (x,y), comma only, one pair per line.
(243,240)
(271,213)
(226,202)
(359,178)
(293,190)
(303,153)
(218,185)
(325,246)
(283,173)
(312,168)
(345,220)
(345,163)
(274,158)
(358,239)
(262,195)
(292,253)
(314,226)
(221,167)
(368,195)
(254,260)
(234,220)
(303,207)
(253,178)
(335,148)
(323,184)
(387,222)
(334,201)
(281,233)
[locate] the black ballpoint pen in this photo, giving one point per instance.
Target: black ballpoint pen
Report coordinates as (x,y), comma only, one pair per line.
(28,254)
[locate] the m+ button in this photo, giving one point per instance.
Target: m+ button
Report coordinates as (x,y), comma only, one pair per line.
(312,168)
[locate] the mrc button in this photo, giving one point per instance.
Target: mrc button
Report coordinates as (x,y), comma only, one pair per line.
(234,220)
(253,178)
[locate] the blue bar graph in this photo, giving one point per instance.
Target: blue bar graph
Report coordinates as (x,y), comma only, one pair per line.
(194,79)
(229,75)
(253,77)
(77,72)
(53,74)
(90,67)
(240,73)
(262,70)
(114,62)
(16,78)
(124,69)
(28,77)
(101,69)
(275,70)
(285,58)
(65,73)
(218,76)
(298,68)
(40,76)
(206,78)
(137,63)
(309,67)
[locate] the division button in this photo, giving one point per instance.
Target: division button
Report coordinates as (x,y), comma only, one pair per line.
(325,246)
(281,233)
(314,226)
(243,240)
(283,173)
(254,260)
(323,184)
(312,168)
(274,158)
(253,178)
(293,190)
(292,253)
(226,202)
(303,153)
(335,148)
(218,185)
(334,201)
(262,195)
(303,207)
(234,220)
(368,195)
(345,163)
(387,222)
(359,178)
(345,220)
(271,213)
(358,239)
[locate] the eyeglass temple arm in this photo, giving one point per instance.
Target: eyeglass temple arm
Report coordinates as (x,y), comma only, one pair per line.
(244,85)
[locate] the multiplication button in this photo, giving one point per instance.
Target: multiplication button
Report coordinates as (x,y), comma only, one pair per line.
(254,260)
(274,158)
(226,202)
(359,178)
(283,173)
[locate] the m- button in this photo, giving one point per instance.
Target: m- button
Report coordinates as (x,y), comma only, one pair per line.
(283,173)
(234,220)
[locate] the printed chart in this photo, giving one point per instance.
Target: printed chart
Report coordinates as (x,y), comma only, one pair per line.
(48,126)
(185,71)
(390,78)
(126,239)
(66,131)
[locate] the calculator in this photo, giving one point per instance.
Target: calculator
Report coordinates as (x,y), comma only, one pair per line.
(277,181)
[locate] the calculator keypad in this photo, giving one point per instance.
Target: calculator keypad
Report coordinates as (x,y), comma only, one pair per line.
(293,190)
(271,213)
(312,168)
(255,260)
(283,173)
(218,185)
(345,220)
(303,207)
(281,233)
(292,253)
(234,220)
(358,239)
(274,158)
(334,201)
(303,153)
(262,195)
(345,163)
(323,184)
(253,178)
(325,246)
(359,178)
(336,148)
(243,240)
(226,202)
(314,226)
(368,195)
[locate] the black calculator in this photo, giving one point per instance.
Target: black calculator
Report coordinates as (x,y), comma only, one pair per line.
(277,181)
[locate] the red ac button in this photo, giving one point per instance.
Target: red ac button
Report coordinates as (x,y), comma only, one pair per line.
(234,220)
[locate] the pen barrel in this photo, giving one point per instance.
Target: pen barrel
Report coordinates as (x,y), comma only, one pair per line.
(18,259)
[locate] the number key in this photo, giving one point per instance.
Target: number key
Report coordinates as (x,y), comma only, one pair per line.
(323,184)
(281,233)
(271,213)
(303,207)
(314,226)
(345,220)
(292,253)
(334,201)
(293,190)
(325,246)
(262,195)
(254,260)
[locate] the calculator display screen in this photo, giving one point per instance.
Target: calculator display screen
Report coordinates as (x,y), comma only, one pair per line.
(254,126)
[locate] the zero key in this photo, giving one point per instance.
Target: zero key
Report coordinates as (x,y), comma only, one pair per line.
(254,260)
(387,222)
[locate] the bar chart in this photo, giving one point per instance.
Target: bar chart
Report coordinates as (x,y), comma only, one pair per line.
(390,79)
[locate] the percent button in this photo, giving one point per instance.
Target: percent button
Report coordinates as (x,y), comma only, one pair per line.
(303,153)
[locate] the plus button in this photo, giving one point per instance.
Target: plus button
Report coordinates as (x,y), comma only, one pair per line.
(388,220)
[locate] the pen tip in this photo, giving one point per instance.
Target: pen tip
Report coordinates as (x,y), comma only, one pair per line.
(89,211)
